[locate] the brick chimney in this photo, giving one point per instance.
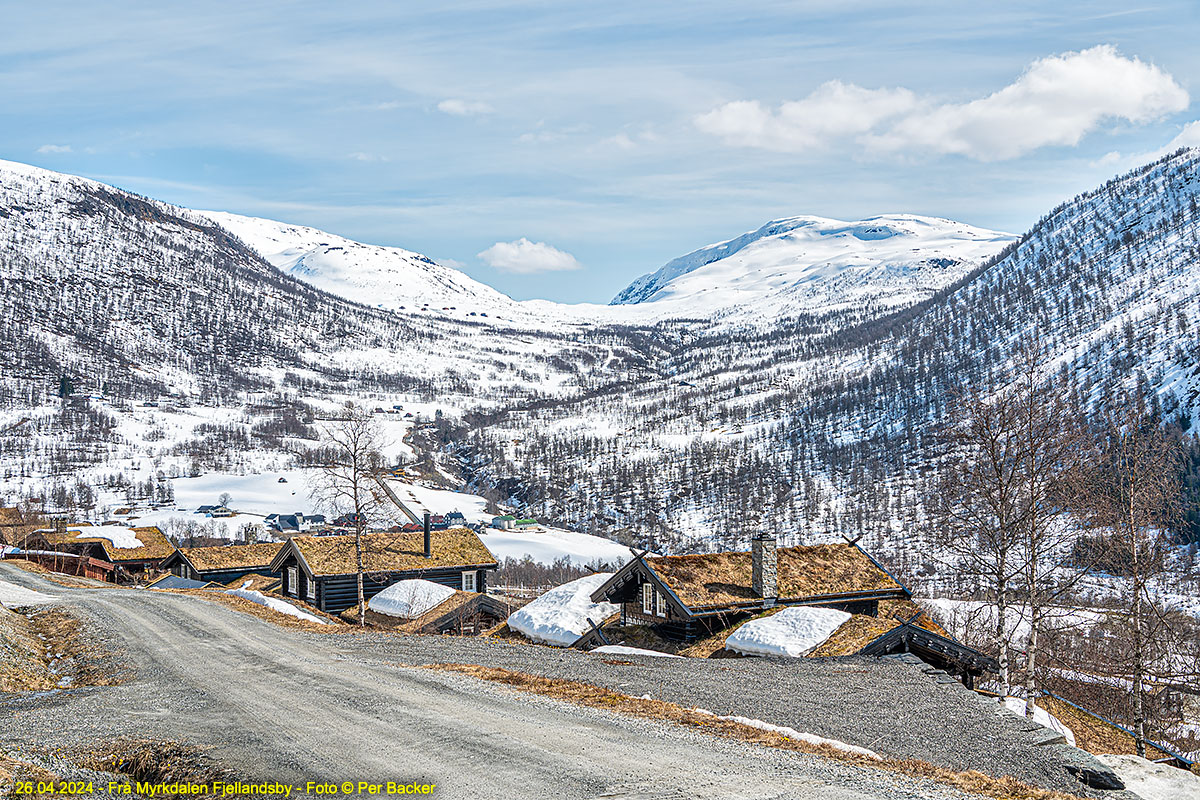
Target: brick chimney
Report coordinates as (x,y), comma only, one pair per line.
(428,543)
(762,570)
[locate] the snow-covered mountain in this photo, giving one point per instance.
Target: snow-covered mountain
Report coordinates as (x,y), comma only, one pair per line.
(810,263)
(391,278)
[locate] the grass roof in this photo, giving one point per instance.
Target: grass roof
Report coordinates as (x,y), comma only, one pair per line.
(258,582)
(234,556)
(10,516)
(860,630)
(395,552)
(717,580)
(1094,734)
(155,544)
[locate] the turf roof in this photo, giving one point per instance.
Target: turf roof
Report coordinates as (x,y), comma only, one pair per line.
(234,556)
(155,544)
(393,552)
(718,580)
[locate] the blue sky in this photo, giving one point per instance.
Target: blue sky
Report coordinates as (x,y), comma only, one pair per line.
(561,150)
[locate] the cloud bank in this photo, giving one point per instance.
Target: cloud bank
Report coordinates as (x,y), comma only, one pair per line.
(1057,101)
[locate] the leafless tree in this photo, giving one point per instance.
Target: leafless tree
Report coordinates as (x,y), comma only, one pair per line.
(1053,450)
(345,483)
(977,505)
(1134,495)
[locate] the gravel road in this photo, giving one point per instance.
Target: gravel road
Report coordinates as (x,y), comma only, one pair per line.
(275,704)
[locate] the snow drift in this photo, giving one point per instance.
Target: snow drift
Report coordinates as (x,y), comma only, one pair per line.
(560,616)
(410,599)
(793,632)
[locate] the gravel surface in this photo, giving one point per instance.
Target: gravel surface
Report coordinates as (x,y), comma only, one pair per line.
(275,704)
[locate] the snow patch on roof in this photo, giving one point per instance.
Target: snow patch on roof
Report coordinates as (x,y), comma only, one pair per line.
(410,599)
(121,537)
(560,616)
(794,632)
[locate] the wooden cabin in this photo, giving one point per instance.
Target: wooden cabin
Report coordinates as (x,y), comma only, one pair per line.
(104,552)
(222,564)
(12,526)
(321,570)
(693,597)
(686,597)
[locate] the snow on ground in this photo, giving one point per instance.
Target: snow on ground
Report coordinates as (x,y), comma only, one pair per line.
(121,537)
(275,604)
(793,632)
(960,616)
(440,501)
(560,616)
(250,494)
(621,650)
(1152,781)
(410,599)
(799,736)
(550,544)
(13,596)
(1041,717)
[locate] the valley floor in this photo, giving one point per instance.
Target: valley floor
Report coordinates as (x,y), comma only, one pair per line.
(277,704)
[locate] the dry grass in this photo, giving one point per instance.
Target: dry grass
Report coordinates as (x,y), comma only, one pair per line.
(23,666)
(270,615)
(152,761)
(64,636)
(1004,788)
(723,579)
(395,552)
(13,769)
(1095,735)
(234,556)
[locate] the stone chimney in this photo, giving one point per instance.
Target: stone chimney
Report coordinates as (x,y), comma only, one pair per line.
(762,571)
(428,543)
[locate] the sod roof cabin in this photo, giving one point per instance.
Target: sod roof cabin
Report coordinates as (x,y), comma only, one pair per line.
(222,564)
(321,570)
(106,552)
(696,597)
(685,596)
(12,526)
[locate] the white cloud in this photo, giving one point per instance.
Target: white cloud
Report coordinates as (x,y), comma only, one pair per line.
(526,258)
(835,110)
(1057,101)
(54,148)
(368,157)
(464,108)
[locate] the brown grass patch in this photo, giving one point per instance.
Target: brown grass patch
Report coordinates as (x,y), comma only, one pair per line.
(1095,735)
(23,666)
(1005,788)
(13,769)
(723,579)
(269,614)
(88,663)
(152,761)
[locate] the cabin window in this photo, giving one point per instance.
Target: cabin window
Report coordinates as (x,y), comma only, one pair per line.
(310,588)
(660,602)
(293,587)
(647,598)
(468,581)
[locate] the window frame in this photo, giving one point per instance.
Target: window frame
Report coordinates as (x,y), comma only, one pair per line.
(473,581)
(293,579)
(648,595)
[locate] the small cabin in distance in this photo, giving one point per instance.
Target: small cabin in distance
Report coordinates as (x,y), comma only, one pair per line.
(222,564)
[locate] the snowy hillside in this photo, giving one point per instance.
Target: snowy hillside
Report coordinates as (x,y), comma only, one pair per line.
(805,263)
(383,277)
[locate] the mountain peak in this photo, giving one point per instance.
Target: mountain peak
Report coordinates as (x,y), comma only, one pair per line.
(802,262)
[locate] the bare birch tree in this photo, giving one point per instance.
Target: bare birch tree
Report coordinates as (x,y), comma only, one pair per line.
(351,457)
(1053,449)
(1134,494)
(978,505)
